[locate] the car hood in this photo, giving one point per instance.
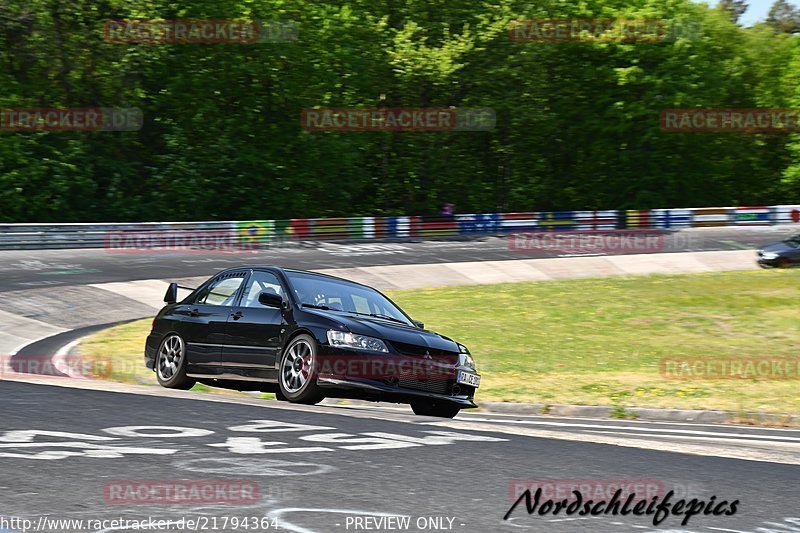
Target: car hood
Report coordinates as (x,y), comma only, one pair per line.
(386,330)
(777,247)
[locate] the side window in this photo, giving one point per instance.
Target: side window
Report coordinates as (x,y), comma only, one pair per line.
(221,292)
(260,282)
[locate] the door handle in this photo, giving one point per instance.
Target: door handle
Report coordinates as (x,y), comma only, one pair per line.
(237,315)
(194,312)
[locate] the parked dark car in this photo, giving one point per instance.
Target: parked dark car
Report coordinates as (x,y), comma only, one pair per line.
(306,336)
(782,254)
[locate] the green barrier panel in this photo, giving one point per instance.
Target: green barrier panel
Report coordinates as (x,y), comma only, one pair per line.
(255,231)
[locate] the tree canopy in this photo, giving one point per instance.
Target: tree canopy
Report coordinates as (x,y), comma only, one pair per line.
(577,122)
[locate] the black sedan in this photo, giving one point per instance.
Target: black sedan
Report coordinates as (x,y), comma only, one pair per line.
(306,336)
(782,254)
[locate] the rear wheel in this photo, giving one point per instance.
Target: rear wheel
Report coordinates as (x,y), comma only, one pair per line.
(440,409)
(171,364)
(298,378)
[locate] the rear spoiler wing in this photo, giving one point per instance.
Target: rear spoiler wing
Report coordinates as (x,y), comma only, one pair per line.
(172,292)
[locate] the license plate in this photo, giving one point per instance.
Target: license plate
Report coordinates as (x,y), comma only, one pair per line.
(465,378)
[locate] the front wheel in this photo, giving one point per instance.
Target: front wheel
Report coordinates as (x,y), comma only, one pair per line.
(171,364)
(298,378)
(440,409)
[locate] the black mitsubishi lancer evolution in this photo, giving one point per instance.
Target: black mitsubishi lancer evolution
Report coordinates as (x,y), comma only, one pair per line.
(306,336)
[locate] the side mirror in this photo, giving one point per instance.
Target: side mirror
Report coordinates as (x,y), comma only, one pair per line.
(172,293)
(270,299)
(419,324)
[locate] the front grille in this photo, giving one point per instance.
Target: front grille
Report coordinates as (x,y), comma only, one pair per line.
(438,386)
(442,356)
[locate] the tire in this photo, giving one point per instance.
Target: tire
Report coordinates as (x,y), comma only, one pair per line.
(783,262)
(297,376)
(170,365)
(279,396)
(440,409)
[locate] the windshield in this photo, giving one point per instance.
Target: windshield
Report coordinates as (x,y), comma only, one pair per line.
(794,242)
(339,295)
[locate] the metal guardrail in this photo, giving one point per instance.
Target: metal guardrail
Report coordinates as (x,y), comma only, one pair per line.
(259,233)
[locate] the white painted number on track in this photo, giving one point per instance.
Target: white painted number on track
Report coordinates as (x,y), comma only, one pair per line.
(18,442)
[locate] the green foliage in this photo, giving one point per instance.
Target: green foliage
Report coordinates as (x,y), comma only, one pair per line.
(577,122)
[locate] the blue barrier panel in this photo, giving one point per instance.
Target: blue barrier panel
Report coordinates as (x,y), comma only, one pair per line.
(478,223)
(391,226)
(672,218)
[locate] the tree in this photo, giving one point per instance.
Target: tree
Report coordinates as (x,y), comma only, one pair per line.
(784,17)
(734,8)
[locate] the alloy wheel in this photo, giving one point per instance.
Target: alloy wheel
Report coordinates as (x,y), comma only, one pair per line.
(170,357)
(297,366)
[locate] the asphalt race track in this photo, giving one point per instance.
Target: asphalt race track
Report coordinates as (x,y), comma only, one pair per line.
(26,269)
(67,445)
(318,468)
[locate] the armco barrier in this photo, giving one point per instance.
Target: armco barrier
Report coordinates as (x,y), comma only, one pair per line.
(785,214)
(255,233)
(485,222)
(595,220)
(510,222)
(704,217)
(637,219)
(21,236)
(557,221)
(671,218)
(751,216)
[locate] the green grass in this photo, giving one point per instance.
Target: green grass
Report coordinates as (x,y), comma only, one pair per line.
(119,352)
(593,341)
(599,341)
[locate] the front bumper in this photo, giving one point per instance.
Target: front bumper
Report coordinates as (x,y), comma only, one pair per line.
(773,263)
(393,376)
(386,391)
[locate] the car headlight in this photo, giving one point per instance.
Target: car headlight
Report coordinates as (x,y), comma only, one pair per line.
(464,358)
(359,342)
(769,255)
